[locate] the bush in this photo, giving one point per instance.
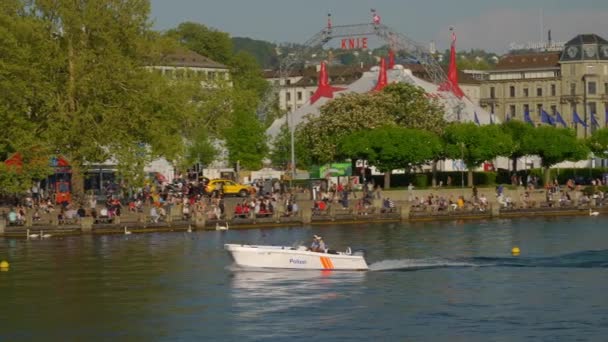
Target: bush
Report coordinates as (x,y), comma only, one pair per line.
(421,180)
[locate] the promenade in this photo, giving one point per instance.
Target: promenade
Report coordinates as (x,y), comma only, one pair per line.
(407,206)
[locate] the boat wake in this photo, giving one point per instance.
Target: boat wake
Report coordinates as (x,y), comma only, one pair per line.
(585,259)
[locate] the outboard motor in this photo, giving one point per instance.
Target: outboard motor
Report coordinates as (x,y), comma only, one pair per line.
(359,252)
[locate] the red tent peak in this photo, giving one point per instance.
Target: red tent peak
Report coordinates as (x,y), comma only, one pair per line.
(382,77)
(323,88)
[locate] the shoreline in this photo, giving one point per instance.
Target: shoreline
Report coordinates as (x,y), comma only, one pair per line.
(135,227)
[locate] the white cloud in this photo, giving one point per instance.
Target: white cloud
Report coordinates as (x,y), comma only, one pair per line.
(495,30)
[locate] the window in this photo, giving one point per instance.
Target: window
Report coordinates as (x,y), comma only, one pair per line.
(539,108)
(592,113)
(606,88)
(526,93)
(591,88)
(492,92)
(572,88)
(512,110)
(539,92)
(553,110)
(553,90)
(288,96)
(526,108)
(299,96)
(512,91)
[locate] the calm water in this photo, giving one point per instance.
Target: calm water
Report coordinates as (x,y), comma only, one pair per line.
(429,282)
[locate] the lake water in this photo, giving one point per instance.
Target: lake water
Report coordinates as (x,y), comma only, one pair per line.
(453,281)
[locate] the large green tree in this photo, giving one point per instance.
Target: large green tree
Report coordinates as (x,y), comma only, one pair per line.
(475,144)
(518,131)
(598,142)
(389,148)
(90,95)
(555,145)
(411,108)
(340,117)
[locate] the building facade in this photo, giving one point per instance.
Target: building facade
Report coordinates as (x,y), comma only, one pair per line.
(186,63)
(574,80)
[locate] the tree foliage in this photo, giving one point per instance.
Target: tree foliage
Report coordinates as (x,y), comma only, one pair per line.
(340,117)
(476,144)
(411,108)
(555,145)
(389,148)
(598,142)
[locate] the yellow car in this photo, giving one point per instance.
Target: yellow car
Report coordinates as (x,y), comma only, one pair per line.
(227,187)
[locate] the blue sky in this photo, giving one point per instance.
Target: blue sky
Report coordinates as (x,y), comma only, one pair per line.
(487,24)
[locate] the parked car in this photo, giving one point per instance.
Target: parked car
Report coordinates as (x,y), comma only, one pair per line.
(227,187)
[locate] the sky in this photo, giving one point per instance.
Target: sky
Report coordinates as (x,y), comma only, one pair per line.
(487,24)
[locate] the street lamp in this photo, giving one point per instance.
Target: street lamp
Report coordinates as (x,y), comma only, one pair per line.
(461,144)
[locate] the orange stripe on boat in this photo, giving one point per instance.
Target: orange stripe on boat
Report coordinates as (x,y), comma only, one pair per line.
(330,263)
(323,262)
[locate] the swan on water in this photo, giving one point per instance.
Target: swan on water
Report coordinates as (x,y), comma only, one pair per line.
(593,213)
(31,236)
(189,229)
(220,227)
(127,232)
(45,236)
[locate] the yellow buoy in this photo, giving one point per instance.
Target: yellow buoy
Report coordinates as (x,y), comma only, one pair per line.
(4,264)
(515,251)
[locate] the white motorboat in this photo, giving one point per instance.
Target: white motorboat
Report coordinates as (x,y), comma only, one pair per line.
(295,258)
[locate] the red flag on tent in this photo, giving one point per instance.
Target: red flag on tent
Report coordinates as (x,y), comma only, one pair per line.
(323,88)
(452,82)
(391,59)
(382,77)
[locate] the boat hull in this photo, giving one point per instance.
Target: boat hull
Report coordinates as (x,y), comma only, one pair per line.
(293,258)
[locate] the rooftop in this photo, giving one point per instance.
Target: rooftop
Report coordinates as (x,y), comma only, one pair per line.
(538,60)
(190,59)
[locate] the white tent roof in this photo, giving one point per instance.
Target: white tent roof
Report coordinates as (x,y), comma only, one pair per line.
(368,81)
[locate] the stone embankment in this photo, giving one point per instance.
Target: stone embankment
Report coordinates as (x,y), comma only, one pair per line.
(534,205)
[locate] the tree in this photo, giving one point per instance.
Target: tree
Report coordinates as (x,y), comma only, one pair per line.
(411,108)
(246,141)
(555,145)
(475,144)
(598,142)
(340,117)
(280,152)
(90,96)
(205,41)
(389,148)
(517,130)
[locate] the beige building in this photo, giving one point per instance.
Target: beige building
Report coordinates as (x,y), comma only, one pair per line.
(573,80)
(186,63)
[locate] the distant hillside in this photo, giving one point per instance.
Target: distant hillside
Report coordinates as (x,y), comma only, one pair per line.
(263,51)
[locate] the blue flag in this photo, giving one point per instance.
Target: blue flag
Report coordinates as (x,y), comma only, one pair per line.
(560,120)
(476,119)
(577,119)
(546,118)
(527,117)
(594,120)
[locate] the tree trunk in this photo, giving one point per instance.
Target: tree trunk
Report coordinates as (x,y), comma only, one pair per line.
(77,184)
(547,175)
(434,170)
(470,178)
(387,180)
(514,161)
